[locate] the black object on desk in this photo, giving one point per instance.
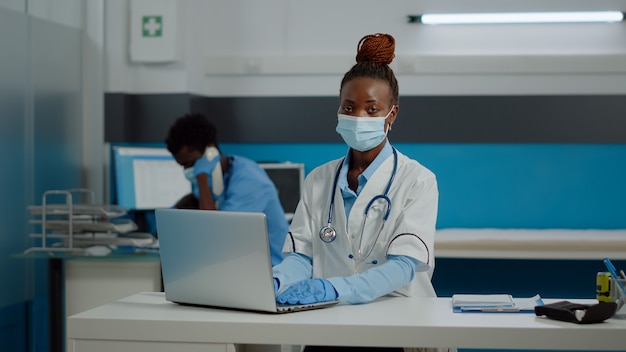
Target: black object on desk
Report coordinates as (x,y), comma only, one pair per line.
(577,313)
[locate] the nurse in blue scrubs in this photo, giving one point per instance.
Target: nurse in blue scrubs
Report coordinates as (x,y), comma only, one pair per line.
(224,182)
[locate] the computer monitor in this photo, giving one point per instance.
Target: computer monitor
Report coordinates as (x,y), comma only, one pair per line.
(289,180)
(147,178)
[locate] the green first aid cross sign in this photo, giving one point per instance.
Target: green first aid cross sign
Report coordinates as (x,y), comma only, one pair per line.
(152,26)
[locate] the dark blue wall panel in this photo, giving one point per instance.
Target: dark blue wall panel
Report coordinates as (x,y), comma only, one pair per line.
(440,119)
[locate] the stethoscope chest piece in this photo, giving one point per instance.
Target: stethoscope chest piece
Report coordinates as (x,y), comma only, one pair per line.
(328,234)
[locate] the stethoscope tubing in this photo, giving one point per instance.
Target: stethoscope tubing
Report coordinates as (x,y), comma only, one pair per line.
(328,233)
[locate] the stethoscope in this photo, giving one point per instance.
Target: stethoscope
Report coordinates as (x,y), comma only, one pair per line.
(328,233)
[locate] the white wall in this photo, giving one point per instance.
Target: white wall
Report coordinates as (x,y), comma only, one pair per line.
(298,47)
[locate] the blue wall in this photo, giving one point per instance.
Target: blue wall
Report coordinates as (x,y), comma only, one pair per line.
(573,186)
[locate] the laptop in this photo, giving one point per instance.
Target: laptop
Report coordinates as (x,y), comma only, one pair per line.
(219,259)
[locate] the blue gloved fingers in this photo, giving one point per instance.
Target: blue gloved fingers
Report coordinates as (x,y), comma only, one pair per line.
(296,296)
(308,291)
(204,166)
(276,285)
(329,290)
(295,293)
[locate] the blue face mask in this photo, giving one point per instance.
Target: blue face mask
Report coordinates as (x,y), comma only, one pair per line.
(210,165)
(189,175)
(362,133)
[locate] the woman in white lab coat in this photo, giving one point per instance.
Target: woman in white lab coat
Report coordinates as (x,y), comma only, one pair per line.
(336,251)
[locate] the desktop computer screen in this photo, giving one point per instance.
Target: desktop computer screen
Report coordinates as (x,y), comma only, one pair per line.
(289,180)
(147,178)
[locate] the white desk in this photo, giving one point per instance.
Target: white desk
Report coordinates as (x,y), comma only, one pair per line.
(147,322)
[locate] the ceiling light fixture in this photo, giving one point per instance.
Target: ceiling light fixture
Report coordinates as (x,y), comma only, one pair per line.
(518,17)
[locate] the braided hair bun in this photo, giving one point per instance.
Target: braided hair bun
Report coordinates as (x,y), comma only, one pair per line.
(374,54)
(376,48)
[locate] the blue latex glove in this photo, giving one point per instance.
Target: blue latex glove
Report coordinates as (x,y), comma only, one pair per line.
(203,166)
(276,285)
(308,291)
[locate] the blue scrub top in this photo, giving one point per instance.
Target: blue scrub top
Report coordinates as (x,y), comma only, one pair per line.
(247,187)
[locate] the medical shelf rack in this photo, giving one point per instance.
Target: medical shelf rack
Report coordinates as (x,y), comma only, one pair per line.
(67,220)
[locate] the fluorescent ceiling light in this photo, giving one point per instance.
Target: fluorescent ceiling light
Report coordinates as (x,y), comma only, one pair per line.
(519,17)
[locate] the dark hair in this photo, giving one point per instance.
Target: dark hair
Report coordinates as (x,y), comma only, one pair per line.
(374,54)
(192,130)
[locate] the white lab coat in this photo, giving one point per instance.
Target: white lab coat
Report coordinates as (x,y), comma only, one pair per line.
(408,231)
